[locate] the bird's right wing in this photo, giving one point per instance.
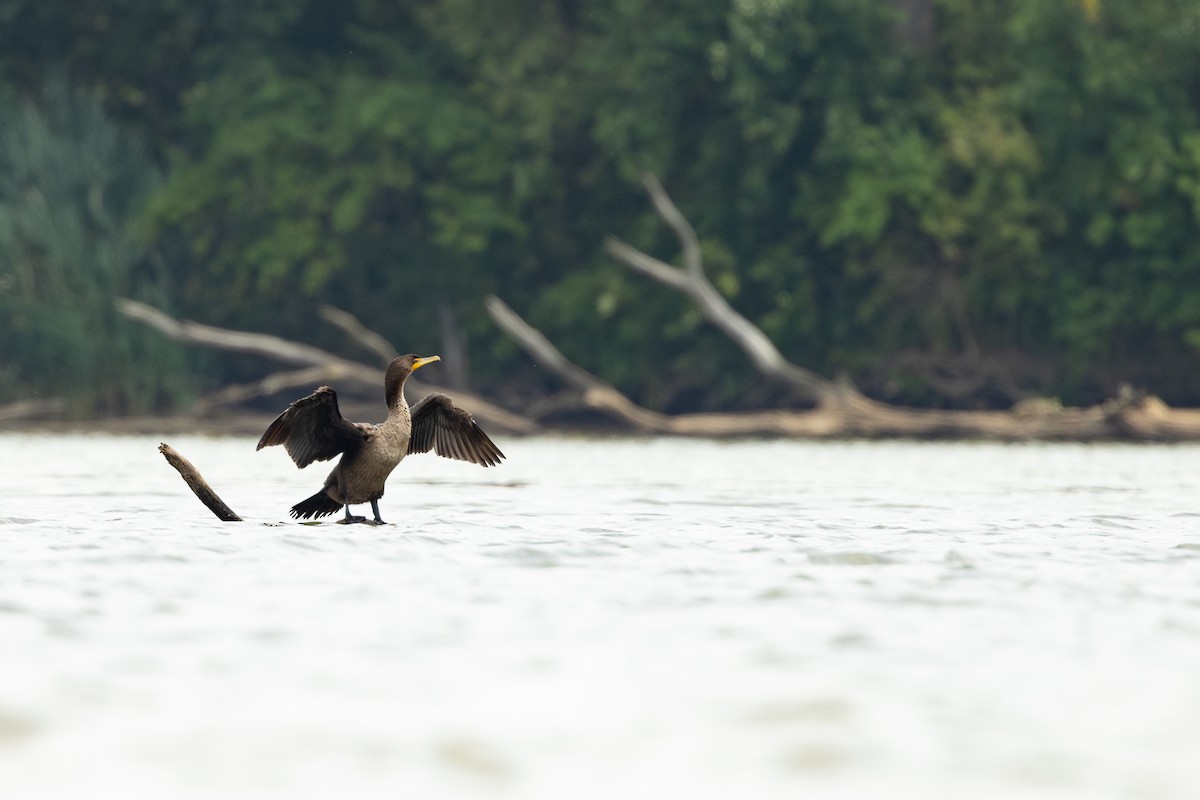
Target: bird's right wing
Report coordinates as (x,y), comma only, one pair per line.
(313,429)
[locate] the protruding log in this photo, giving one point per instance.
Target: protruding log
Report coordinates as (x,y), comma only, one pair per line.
(198,485)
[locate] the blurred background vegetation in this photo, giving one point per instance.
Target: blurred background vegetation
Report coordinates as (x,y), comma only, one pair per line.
(953,202)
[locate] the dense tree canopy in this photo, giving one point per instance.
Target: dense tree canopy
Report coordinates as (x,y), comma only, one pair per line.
(1011,207)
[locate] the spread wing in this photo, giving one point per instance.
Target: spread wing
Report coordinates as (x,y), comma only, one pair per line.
(313,429)
(441,426)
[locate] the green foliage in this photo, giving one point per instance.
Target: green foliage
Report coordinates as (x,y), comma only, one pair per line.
(71,183)
(1029,184)
(1113,116)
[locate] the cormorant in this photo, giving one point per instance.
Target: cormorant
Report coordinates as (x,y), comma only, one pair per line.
(313,429)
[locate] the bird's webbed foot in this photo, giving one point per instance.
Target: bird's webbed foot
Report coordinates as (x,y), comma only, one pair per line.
(350,519)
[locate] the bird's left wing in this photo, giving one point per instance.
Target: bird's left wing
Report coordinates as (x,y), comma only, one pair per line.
(444,428)
(313,429)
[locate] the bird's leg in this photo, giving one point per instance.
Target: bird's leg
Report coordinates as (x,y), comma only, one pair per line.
(341,489)
(375,508)
(350,520)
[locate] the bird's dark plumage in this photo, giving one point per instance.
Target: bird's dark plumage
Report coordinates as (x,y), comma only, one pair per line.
(313,429)
(444,428)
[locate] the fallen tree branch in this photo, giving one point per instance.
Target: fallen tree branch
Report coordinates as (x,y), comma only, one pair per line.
(538,346)
(692,282)
(841,410)
(239,341)
(303,355)
(198,485)
(596,393)
(277,382)
(360,333)
(1129,416)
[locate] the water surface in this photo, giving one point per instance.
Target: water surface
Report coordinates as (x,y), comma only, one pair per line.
(605,618)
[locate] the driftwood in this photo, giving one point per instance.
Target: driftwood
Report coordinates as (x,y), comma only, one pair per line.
(325,366)
(198,485)
(841,410)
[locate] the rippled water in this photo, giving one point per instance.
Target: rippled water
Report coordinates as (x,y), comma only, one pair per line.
(605,618)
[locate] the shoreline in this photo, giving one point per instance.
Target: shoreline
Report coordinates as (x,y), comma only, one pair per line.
(243,424)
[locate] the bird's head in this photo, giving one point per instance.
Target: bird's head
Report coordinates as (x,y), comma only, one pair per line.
(399,370)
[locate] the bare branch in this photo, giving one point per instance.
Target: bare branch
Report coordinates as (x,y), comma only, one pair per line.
(302,355)
(1130,416)
(538,346)
(240,341)
(360,333)
(649,266)
(308,377)
(684,231)
(693,282)
(597,394)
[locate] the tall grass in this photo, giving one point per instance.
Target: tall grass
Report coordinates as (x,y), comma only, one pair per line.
(72,184)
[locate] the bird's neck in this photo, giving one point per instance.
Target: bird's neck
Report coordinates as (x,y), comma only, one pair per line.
(394,395)
(397,407)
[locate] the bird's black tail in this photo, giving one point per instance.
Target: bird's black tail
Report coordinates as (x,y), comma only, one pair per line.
(319,505)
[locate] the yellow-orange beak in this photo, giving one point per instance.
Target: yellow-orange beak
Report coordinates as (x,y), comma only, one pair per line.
(420,362)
